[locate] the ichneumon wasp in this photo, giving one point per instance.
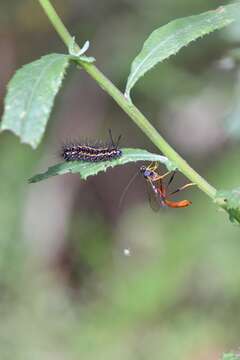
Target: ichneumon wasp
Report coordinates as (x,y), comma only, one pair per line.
(158,190)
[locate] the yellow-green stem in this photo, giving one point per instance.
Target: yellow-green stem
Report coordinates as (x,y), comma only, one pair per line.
(140,120)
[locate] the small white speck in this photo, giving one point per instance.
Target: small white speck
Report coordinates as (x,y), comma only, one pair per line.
(226,63)
(127,252)
(22,114)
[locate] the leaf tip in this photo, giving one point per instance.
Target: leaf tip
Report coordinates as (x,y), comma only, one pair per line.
(30,180)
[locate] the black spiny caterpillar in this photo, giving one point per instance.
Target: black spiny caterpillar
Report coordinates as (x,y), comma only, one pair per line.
(92,153)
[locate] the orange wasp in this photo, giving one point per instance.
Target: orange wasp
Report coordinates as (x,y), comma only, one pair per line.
(157,190)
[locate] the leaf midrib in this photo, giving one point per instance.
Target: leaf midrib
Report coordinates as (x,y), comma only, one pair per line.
(30,100)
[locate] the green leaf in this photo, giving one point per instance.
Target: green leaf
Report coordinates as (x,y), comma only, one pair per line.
(169,39)
(230,201)
(30,97)
(86,169)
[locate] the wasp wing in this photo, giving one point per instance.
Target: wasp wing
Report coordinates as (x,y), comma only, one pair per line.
(153,196)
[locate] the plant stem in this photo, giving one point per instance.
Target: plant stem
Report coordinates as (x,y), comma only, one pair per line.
(56,21)
(140,120)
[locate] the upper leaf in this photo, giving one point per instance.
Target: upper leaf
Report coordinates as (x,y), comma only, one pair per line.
(170,38)
(86,169)
(30,97)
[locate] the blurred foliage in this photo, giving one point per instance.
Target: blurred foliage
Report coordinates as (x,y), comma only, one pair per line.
(230,356)
(67,289)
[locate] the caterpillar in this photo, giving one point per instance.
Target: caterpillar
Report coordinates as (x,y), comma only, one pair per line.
(92,153)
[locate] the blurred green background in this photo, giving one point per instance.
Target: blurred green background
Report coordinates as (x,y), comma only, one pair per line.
(67,288)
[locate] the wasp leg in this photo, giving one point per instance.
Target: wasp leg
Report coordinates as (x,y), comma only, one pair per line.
(171,178)
(152,166)
(182,188)
(160,177)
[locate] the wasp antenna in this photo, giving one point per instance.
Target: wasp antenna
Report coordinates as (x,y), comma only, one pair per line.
(126,189)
